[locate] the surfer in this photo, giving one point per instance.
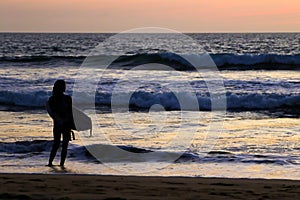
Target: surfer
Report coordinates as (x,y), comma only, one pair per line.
(60,109)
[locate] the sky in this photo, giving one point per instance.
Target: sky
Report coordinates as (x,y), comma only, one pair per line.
(122,15)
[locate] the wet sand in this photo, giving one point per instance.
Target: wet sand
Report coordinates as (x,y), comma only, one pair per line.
(65,186)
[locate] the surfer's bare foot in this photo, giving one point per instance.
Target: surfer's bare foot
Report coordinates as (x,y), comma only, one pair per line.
(49,165)
(62,167)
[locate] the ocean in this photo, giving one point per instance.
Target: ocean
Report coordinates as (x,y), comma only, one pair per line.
(156,120)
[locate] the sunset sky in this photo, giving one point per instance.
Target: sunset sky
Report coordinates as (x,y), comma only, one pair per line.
(121,15)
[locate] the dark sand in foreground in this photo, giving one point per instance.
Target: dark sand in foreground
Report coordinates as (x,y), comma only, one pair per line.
(64,186)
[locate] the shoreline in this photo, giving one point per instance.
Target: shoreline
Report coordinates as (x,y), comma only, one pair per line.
(71,186)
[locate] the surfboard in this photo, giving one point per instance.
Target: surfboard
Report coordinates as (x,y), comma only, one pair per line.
(81,121)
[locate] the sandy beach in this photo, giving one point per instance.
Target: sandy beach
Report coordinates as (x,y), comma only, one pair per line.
(65,186)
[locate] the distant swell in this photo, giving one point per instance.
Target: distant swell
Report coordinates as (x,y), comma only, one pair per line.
(43,60)
(223,61)
(257,61)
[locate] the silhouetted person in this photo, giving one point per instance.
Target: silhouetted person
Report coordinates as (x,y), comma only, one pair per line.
(61,112)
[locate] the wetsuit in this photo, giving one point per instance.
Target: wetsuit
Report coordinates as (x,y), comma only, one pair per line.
(61,112)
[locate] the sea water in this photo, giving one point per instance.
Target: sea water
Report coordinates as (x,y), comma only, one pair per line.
(257,137)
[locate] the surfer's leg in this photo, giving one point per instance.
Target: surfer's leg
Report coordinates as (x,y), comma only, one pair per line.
(64,151)
(55,146)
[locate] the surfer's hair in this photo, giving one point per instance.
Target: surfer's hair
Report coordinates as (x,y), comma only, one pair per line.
(59,87)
